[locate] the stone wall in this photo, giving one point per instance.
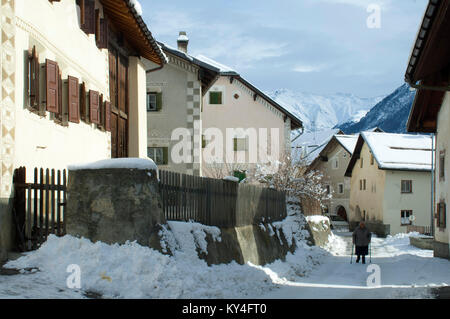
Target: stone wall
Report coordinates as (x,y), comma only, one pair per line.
(114,205)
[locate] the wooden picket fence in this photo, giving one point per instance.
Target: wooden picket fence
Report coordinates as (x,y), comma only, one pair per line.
(39,206)
(218,202)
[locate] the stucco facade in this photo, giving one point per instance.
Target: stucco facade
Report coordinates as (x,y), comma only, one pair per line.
(240,110)
(377,198)
(333,169)
(181,92)
(442,194)
(33,138)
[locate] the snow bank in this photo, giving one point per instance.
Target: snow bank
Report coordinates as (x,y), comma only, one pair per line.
(132,163)
(317,219)
(231,179)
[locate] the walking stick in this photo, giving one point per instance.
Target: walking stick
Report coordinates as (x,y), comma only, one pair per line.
(351,257)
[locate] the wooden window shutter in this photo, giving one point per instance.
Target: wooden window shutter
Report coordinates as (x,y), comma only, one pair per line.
(101,112)
(60,104)
(159,101)
(235,146)
(51,72)
(108,116)
(102,43)
(73,99)
(83,104)
(165,155)
(80,3)
(89,17)
(33,78)
(94,107)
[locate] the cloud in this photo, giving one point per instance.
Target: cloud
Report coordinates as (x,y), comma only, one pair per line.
(304,68)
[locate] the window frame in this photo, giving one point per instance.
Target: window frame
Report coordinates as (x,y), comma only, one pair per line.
(149,94)
(155,157)
(441,215)
(410,213)
(220,97)
(410,186)
(341,186)
(442,166)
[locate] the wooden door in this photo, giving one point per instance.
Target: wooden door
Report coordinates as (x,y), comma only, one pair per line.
(118,82)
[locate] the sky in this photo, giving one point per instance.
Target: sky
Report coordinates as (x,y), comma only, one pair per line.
(314,46)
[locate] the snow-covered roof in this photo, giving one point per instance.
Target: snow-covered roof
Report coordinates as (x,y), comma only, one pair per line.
(396,151)
(311,144)
(137,6)
(347,141)
(222,67)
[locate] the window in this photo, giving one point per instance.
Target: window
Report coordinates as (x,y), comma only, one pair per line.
(215,97)
(360,185)
(328,188)
(372,161)
(406,217)
(364,215)
(441,215)
(361,162)
(336,164)
(341,188)
(406,187)
(240,144)
(364,184)
(442,166)
(151,102)
(159,155)
(204,142)
(33,68)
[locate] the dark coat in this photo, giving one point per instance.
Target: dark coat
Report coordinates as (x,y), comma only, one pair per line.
(361,237)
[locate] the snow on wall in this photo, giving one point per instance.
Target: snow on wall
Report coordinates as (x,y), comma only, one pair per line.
(131,163)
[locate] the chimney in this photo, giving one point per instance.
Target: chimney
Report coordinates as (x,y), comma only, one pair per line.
(183,41)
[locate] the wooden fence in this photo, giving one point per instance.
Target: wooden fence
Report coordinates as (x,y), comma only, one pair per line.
(424,230)
(218,202)
(39,206)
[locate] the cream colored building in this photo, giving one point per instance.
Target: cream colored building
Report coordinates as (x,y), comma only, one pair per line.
(72,86)
(233,103)
(175,100)
(428,72)
(390,186)
(333,161)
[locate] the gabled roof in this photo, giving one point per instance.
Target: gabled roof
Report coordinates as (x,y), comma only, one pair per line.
(404,152)
(296,123)
(428,66)
(208,73)
(348,142)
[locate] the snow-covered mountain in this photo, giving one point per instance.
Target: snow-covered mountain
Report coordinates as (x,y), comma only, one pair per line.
(319,112)
(391,114)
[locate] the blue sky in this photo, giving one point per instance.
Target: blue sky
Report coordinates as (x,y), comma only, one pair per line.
(317,46)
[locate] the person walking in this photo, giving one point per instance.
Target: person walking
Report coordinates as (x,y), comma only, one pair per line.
(361,240)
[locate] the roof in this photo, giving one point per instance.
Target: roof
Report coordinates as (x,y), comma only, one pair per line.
(348,142)
(429,57)
(296,123)
(208,73)
(404,152)
(127,19)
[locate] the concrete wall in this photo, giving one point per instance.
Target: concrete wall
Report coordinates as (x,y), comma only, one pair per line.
(419,201)
(442,235)
(181,106)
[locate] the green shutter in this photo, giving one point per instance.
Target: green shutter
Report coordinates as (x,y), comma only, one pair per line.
(215,97)
(219,97)
(203,141)
(165,155)
(235,140)
(158,101)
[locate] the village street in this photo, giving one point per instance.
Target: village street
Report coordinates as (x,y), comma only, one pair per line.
(406,272)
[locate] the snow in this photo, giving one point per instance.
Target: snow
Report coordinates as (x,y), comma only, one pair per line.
(231,179)
(317,219)
(347,141)
(310,144)
(131,163)
(223,68)
(134,271)
(183,38)
(400,151)
(137,6)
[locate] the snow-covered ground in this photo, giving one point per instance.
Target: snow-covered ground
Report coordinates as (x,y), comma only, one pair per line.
(133,271)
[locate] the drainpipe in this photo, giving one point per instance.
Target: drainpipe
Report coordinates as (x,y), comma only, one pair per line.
(432,183)
(155,69)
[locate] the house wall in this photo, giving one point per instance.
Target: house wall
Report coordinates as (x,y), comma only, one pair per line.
(371,199)
(442,236)
(419,201)
(335,176)
(181,108)
(244,113)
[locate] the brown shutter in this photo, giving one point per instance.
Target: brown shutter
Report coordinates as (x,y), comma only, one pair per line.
(103,40)
(83,101)
(108,116)
(73,99)
(33,78)
(80,3)
(89,17)
(60,104)
(51,71)
(100,112)
(94,106)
